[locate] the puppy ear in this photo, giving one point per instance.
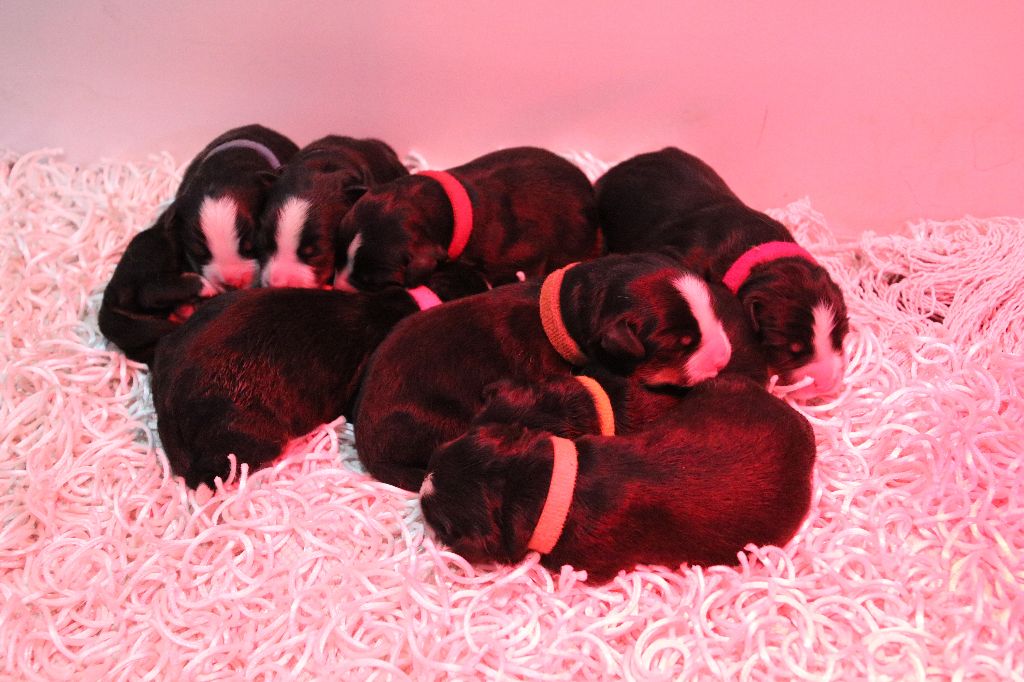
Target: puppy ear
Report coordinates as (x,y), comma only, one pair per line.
(422,264)
(754,312)
(619,340)
(267,178)
(353,192)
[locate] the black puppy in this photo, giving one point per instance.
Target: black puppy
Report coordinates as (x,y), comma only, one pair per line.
(731,466)
(638,315)
(297,233)
(672,202)
(200,245)
(522,210)
(251,370)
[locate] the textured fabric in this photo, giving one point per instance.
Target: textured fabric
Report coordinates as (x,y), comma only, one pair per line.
(424,297)
(263,149)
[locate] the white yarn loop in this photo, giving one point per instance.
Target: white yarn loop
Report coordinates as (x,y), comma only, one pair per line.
(908,566)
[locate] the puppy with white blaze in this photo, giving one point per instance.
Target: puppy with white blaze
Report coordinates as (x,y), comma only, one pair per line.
(297,234)
(672,202)
(201,245)
(730,466)
(637,315)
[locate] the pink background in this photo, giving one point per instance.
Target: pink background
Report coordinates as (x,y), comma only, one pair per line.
(880,112)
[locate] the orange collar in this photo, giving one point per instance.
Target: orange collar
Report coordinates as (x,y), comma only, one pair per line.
(462,209)
(556,504)
(551,318)
(602,403)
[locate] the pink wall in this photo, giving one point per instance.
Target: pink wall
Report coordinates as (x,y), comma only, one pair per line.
(879,111)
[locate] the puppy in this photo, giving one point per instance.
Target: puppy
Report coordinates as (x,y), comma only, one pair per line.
(672,202)
(522,210)
(731,466)
(251,370)
(297,232)
(200,245)
(636,315)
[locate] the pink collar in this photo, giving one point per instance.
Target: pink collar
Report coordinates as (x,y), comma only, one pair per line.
(424,297)
(762,253)
(556,505)
(462,209)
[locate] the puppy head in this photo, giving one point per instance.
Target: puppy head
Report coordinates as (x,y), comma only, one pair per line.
(800,318)
(455,280)
(644,314)
(484,491)
(390,237)
(215,228)
(298,228)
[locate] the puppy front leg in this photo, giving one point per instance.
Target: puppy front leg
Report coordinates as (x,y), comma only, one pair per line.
(171,291)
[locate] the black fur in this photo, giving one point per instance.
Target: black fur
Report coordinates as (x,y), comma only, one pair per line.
(533,212)
(731,466)
(428,379)
(159,272)
(253,369)
(331,174)
(674,203)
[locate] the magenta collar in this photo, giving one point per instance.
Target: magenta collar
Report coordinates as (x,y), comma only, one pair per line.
(462,209)
(424,297)
(762,253)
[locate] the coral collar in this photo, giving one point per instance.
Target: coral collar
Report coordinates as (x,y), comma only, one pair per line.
(556,504)
(263,150)
(424,297)
(602,404)
(462,209)
(551,318)
(762,253)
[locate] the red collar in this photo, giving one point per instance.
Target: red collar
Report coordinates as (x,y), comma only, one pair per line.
(462,209)
(556,504)
(762,253)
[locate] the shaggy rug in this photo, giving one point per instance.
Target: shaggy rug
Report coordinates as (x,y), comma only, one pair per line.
(910,565)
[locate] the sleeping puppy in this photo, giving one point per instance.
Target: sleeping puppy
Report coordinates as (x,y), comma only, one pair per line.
(522,210)
(636,315)
(200,245)
(598,401)
(251,370)
(297,232)
(672,202)
(731,466)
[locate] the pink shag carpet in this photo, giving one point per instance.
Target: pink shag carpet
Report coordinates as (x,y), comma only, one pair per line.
(910,565)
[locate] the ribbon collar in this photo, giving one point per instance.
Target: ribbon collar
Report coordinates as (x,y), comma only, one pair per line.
(602,404)
(263,150)
(556,505)
(739,271)
(462,209)
(551,318)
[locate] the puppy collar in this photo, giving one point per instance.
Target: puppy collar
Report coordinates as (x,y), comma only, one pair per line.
(556,504)
(424,297)
(462,209)
(247,144)
(551,318)
(762,253)
(603,405)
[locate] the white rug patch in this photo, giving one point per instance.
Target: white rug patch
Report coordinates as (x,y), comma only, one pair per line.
(909,565)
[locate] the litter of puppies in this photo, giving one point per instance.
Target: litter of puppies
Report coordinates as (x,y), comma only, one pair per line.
(616,407)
